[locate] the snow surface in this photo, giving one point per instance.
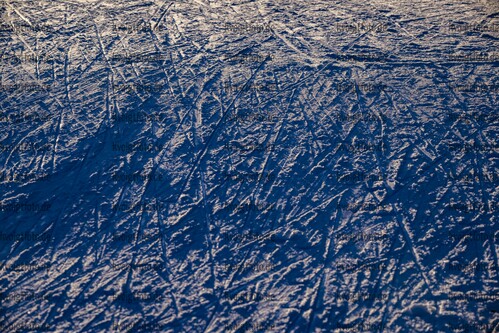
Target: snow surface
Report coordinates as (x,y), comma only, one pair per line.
(249,166)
